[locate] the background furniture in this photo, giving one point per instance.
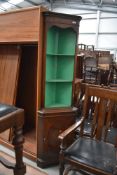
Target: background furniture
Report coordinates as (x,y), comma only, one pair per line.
(79,66)
(99,64)
(104,69)
(57,111)
(92,154)
(90,71)
(84,51)
(12,117)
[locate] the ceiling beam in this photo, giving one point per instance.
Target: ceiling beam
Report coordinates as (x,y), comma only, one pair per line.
(92,1)
(86,7)
(100,2)
(83,1)
(51,3)
(12,4)
(31,2)
(65,2)
(3,9)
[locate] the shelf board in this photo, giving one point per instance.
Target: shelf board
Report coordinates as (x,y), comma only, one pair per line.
(57,105)
(58,81)
(55,54)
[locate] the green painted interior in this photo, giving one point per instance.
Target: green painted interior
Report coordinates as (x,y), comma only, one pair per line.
(58,94)
(61,41)
(59,66)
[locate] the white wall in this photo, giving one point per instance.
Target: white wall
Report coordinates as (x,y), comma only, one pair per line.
(96,28)
(107,31)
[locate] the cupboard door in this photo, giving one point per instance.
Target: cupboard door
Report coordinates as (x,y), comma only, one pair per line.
(50,124)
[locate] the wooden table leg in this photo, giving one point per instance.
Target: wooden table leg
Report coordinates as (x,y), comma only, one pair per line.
(18,140)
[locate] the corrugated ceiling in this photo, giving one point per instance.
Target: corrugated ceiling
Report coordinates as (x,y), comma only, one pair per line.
(7,5)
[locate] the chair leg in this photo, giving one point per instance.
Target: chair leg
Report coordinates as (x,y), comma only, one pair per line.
(115,171)
(67,170)
(18,140)
(61,169)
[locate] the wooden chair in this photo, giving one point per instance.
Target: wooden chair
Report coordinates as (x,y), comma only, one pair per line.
(90,47)
(91,154)
(80,96)
(78,92)
(113,78)
(81,47)
(113,128)
(12,117)
(104,69)
(90,70)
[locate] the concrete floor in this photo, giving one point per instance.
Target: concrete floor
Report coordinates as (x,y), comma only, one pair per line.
(54,170)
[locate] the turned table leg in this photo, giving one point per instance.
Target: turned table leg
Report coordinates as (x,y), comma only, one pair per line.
(18,140)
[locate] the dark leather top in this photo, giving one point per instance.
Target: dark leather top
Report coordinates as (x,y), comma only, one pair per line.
(6,109)
(97,154)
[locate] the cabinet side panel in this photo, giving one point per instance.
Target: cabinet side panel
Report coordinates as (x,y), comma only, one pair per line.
(9,65)
(19,26)
(26,93)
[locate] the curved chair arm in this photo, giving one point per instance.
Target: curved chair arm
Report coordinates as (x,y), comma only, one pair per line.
(71,129)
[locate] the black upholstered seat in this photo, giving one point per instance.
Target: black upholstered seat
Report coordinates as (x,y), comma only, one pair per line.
(6,109)
(86,151)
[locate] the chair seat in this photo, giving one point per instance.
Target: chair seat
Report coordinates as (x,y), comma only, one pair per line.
(6,109)
(97,154)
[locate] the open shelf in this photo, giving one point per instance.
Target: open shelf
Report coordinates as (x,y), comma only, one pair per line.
(58,94)
(58,80)
(55,105)
(60,56)
(56,54)
(62,41)
(59,67)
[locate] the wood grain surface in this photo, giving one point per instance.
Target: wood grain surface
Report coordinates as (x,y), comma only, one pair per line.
(9,64)
(19,26)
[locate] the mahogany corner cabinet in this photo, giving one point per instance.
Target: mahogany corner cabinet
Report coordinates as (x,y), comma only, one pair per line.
(58,71)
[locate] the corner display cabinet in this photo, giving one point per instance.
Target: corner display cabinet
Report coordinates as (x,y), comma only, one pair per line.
(58,69)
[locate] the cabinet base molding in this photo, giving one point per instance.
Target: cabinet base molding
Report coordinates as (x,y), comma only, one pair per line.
(44,163)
